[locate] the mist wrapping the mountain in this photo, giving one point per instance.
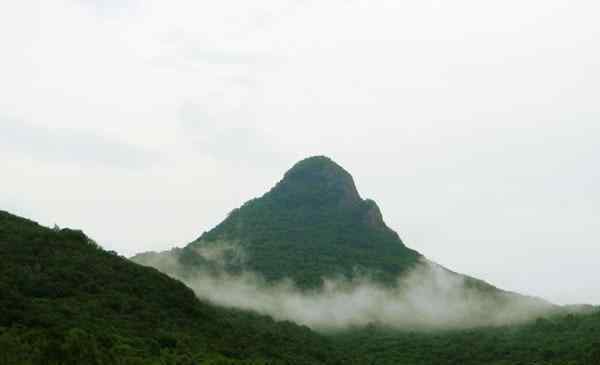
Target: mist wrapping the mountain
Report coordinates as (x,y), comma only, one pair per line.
(427,297)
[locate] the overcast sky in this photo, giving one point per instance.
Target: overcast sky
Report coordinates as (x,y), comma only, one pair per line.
(475,125)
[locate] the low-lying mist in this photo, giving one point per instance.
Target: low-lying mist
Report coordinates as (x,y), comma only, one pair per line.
(427,297)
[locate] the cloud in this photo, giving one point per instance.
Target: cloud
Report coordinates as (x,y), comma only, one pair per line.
(222,57)
(215,135)
(428,297)
(72,146)
(111,8)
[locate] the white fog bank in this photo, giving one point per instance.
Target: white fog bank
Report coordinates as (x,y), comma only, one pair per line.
(427,297)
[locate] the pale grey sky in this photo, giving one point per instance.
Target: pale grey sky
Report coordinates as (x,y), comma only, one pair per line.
(474,124)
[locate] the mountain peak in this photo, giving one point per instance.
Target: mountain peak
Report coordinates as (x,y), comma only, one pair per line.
(319,180)
(317,162)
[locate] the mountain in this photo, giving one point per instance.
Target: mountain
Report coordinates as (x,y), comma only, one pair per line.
(314,230)
(64,300)
(312,225)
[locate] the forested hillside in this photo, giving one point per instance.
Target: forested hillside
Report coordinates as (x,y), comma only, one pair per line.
(64,300)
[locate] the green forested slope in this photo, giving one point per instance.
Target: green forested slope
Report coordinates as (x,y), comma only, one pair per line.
(63,300)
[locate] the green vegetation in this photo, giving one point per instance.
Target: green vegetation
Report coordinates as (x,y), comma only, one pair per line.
(558,340)
(64,300)
(312,224)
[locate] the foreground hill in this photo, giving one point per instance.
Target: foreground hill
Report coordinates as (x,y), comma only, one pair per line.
(64,300)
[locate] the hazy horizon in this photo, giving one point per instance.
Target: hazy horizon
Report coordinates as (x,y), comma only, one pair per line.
(474,126)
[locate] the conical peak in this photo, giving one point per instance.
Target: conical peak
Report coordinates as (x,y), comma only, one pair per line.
(312,225)
(319,166)
(320,178)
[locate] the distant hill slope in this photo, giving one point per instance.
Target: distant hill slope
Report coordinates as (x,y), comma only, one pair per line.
(64,300)
(312,225)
